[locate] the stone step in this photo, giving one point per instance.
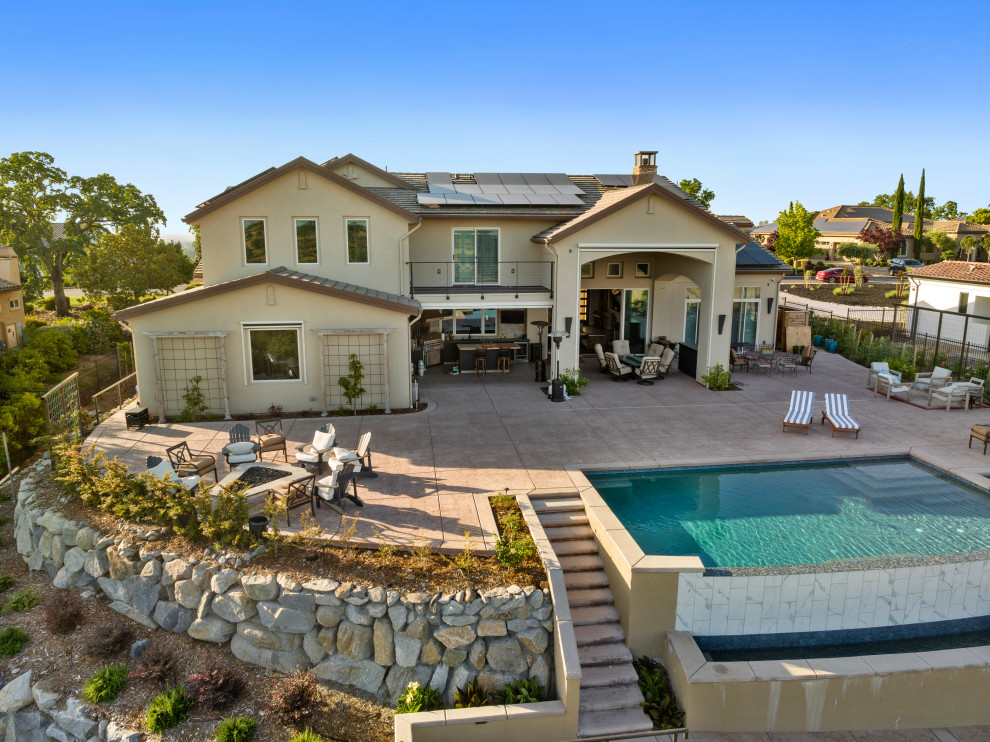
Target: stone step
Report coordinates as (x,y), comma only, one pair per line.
(552,494)
(592,655)
(589,596)
(573,504)
(617,721)
(599,633)
(611,697)
(578,547)
(569,533)
(563,520)
(579,580)
(593,615)
(600,677)
(581,562)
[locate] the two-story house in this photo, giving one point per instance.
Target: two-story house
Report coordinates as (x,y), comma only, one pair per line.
(307,264)
(11,300)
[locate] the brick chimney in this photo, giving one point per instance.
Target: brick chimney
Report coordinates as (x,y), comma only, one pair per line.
(645,167)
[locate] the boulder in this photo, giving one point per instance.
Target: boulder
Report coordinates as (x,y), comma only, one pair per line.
(177,569)
(126,609)
(117,733)
(460,677)
(493,682)
(211,629)
(506,656)
(534,640)
(27,726)
(44,698)
(74,560)
(65,578)
(173,617)
(97,563)
(355,641)
(328,639)
(329,615)
(235,606)
(16,694)
(491,627)
(362,674)
(407,649)
(224,580)
(302,602)
(431,654)
(358,615)
(542,670)
(74,719)
(152,568)
(86,538)
(384,641)
(286,662)
(188,594)
(397,615)
(477,654)
(120,567)
(279,618)
(260,587)
(454,637)
(454,657)
(312,646)
(140,592)
(258,635)
(400,677)
(418,627)
(439,680)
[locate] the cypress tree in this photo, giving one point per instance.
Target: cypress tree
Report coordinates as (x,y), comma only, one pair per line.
(919,217)
(898,217)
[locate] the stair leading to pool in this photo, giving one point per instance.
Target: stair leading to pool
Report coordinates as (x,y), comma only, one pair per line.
(610,695)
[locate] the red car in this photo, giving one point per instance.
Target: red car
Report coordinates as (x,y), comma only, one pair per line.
(838,275)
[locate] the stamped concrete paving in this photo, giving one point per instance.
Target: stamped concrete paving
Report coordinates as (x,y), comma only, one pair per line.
(499,433)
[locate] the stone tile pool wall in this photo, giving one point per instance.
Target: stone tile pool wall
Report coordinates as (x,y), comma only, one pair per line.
(831,601)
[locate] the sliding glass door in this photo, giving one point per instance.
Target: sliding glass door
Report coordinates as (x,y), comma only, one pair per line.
(635,319)
(745,314)
(476,256)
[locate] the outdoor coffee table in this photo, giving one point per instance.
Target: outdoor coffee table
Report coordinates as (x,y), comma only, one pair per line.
(257,494)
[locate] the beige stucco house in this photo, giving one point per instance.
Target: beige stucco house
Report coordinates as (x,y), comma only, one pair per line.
(306,264)
(11,300)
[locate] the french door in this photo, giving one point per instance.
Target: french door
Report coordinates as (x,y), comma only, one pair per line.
(475,256)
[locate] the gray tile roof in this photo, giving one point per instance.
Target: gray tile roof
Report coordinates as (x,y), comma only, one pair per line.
(842,226)
(6,286)
(753,257)
(764,228)
(348,287)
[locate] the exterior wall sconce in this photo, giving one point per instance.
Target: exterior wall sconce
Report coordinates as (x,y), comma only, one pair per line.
(721,323)
(769,304)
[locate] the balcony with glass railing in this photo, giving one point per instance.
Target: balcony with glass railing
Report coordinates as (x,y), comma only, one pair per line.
(481,277)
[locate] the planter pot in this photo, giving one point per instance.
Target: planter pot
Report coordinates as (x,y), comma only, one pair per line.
(831,345)
(258,525)
(817,341)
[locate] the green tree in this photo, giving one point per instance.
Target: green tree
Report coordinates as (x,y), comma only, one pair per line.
(197,245)
(968,247)
(125,265)
(898,217)
(939,242)
(919,217)
(34,194)
(796,232)
(697,191)
(985,244)
(980,216)
(856,250)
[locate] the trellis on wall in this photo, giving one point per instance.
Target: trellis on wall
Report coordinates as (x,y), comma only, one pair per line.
(63,414)
(182,356)
(371,348)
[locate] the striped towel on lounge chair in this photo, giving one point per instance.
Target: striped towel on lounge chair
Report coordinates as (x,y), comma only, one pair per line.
(837,413)
(801,411)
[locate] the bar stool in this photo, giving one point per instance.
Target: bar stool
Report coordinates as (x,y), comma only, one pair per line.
(504,360)
(480,364)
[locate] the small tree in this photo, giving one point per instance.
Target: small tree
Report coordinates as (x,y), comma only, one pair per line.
(939,242)
(969,247)
(350,385)
(919,217)
(855,251)
(796,232)
(886,240)
(898,216)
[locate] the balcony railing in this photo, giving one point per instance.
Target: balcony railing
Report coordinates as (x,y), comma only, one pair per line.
(484,277)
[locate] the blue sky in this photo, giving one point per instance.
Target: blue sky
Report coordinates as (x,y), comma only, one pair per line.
(764,102)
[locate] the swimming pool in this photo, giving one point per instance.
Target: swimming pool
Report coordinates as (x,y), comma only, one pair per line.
(798,513)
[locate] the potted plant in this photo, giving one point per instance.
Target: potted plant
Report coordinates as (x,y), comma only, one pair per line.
(258,526)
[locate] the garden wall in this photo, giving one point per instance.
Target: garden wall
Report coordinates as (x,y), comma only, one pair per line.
(375,639)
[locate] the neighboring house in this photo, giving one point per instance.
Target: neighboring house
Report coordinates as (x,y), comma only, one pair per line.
(306,264)
(951,286)
(11,300)
(844,223)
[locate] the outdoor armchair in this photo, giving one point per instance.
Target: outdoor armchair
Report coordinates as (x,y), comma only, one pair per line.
(271,437)
(666,358)
(241,449)
(807,356)
(319,449)
(332,490)
(601,358)
(890,386)
(620,348)
(360,455)
(950,394)
(298,494)
(164,471)
(737,361)
(649,369)
(980,433)
(619,370)
(880,367)
(837,413)
(933,379)
(185,464)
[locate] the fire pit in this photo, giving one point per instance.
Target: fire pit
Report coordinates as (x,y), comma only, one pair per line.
(259,477)
(255,476)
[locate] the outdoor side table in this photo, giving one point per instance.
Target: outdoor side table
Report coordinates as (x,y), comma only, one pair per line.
(137,418)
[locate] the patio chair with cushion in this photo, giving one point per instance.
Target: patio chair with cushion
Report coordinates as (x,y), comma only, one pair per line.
(620,348)
(601,358)
(185,464)
(241,449)
(163,470)
(666,358)
(332,490)
(933,379)
(951,394)
(880,367)
(800,412)
(271,437)
(737,361)
(655,350)
(807,356)
(298,494)
(360,455)
(649,369)
(837,413)
(319,449)
(891,386)
(980,433)
(619,370)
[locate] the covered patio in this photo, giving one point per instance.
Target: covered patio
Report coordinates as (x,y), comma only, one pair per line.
(481,435)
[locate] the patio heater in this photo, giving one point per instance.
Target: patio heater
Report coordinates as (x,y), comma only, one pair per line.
(557,386)
(541,367)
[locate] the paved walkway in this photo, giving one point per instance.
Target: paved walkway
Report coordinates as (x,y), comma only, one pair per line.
(955,734)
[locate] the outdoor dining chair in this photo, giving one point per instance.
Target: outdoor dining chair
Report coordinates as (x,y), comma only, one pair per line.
(298,494)
(800,412)
(837,413)
(240,449)
(163,470)
(271,437)
(737,361)
(185,463)
(319,449)
(807,356)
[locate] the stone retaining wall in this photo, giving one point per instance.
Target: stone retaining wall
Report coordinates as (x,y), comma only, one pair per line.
(368,637)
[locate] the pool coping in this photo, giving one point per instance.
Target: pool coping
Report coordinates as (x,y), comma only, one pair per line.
(607,524)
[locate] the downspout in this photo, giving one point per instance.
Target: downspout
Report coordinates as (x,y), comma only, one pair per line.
(556,284)
(409,380)
(402,239)
(415,319)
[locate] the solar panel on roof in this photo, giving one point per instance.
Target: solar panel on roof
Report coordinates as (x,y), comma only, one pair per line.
(518,188)
(535,178)
(571,188)
(467,188)
(569,199)
(610,181)
(487,179)
(428,199)
(514,199)
(491,188)
(488,198)
(544,188)
(558,179)
(512,179)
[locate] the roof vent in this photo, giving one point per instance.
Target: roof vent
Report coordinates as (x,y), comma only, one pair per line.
(645,167)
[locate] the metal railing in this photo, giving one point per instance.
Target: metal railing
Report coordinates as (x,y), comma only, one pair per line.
(114,396)
(496,277)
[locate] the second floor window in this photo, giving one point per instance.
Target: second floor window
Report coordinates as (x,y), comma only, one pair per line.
(255,246)
(15,303)
(357,240)
(306,241)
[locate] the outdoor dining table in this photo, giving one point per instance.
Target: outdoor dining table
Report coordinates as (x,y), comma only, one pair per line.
(775,359)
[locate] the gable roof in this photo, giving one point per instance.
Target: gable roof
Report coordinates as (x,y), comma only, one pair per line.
(954,270)
(267,176)
(619,198)
(352,159)
(285,277)
(6,286)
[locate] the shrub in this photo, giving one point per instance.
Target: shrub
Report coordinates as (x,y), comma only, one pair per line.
(6,582)
(307,735)
(167,710)
(156,664)
(573,381)
(221,516)
(512,551)
(717,378)
(48,303)
(109,643)
(195,407)
(418,697)
(24,600)
(95,332)
(214,687)
(12,641)
(292,697)
(522,691)
(237,729)
(660,702)
(471,695)
(106,684)
(65,615)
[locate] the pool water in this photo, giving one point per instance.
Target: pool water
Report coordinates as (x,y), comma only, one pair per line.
(803,513)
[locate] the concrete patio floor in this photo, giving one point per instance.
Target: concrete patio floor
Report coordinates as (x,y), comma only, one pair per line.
(499,433)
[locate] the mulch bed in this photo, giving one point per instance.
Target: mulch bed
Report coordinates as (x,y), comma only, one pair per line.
(864,296)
